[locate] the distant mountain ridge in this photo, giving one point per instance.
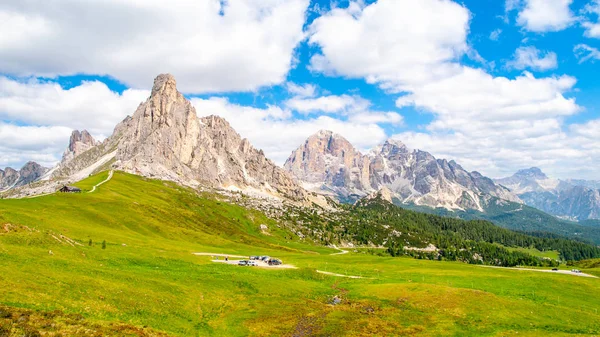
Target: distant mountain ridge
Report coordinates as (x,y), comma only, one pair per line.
(569,199)
(327,163)
(30,172)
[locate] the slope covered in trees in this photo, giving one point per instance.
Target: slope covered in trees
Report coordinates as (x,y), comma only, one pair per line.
(404,232)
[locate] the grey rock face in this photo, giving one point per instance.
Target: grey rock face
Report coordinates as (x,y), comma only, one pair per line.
(570,199)
(8,178)
(165,139)
(329,163)
(30,172)
(79,143)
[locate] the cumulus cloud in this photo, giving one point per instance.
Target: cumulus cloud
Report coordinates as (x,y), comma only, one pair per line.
(209,45)
(592,23)
(393,43)
(532,58)
(277,133)
(354,108)
(328,104)
(584,53)
(91,105)
(306,90)
(43,144)
(488,123)
(43,114)
(546,15)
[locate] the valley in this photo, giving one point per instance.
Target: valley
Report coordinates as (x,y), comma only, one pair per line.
(390,243)
(148,279)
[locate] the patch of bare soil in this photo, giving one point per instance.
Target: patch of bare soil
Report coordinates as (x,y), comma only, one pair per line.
(28,323)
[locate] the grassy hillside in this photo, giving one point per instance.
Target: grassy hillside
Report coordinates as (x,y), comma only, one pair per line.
(146,281)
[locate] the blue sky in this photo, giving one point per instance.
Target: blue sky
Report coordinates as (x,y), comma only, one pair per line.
(495,85)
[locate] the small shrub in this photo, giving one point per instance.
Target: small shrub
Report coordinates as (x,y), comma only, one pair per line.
(104,244)
(90,243)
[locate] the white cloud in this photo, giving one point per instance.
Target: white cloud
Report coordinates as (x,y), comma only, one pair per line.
(495,35)
(43,144)
(354,108)
(328,104)
(488,123)
(592,27)
(306,90)
(394,43)
(209,45)
(532,58)
(91,105)
(584,53)
(277,133)
(546,15)
(43,114)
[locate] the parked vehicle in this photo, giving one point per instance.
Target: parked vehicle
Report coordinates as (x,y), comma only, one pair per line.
(243,263)
(252,263)
(265,258)
(554,269)
(254,257)
(577,271)
(274,262)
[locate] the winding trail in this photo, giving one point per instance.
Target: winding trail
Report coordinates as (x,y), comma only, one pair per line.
(340,253)
(110,174)
(338,275)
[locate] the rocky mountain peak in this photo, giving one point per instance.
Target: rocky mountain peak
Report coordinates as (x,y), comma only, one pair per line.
(332,166)
(392,147)
(164,84)
(79,143)
(29,173)
(330,158)
(395,143)
(323,134)
(165,138)
(82,137)
(531,173)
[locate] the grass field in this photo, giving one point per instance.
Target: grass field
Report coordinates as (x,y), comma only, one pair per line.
(148,281)
(551,254)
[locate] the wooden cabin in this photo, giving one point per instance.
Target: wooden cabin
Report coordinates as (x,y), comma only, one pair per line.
(70,189)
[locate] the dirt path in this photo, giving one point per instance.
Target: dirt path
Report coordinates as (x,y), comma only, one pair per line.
(261,264)
(341,251)
(110,174)
(338,275)
(564,272)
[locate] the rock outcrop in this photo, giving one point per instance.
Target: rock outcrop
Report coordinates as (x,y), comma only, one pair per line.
(78,144)
(328,163)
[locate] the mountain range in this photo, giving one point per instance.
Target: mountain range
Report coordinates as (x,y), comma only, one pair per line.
(165,139)
(569,199)
(328,163)
(30,172)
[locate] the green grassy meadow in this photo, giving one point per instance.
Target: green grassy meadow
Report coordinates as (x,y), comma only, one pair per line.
(148,280)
